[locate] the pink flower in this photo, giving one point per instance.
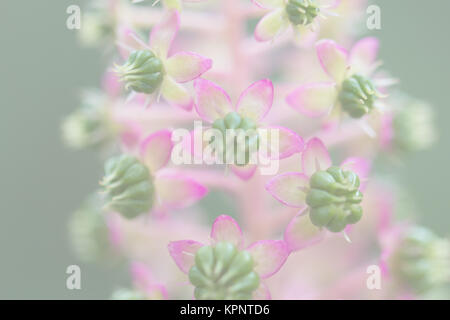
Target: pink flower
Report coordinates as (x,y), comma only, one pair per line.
(212,103)
(354,87)
(173,190)
(170,4)
(169,71)
(145,282)
(301,15)
(264,258)
(291,189)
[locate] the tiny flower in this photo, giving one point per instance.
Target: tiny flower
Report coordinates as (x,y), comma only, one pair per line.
(89,232)
(302,15)
(225,269)
(417,259)
(409,127)
(150,70)
(353,89)
(214,105)
(134,185)
(331,193)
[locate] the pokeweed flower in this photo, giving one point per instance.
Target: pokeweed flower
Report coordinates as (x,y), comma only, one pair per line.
(409,126)
(354,86)
(332,193)
(145,286)
(214,106)
(302,15)
(416,258)
(150,70)
(225,269)
(134,185)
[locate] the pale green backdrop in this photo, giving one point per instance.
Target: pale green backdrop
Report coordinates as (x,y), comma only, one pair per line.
(42,69)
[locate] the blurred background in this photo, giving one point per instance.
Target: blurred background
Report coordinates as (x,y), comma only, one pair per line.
(43,70)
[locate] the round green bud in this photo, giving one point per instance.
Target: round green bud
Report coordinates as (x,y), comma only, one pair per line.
(302,12)
(421,260)
(334,199)
(243,137)
(89,233)
(143,72)
(357,96)
(413,126)
(90,126)
(128,186)
(223,272)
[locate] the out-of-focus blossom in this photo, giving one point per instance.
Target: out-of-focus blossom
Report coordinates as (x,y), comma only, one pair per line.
(354,90)
(302,15)
(99,23)
(225,269)
(136,184)
(214,106)
(170,4)
(332,193)
(151,70)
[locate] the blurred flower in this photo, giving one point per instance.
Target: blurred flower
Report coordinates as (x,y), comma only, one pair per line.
(99,23)
(136,184)
(302,15)
(150,70)
(331,193)
(225,269)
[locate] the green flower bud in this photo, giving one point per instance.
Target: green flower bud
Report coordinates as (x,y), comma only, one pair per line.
(357,96)
(302,12)
(128,186)
(128,294)
(90,126)
(89,233)
(413,126)
(421,260)
(223,272)
(143,72)
(334,199)
(238,128)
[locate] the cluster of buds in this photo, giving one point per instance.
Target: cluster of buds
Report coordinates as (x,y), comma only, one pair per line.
(154,95)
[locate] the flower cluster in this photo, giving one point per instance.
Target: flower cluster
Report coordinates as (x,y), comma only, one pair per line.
(294,192)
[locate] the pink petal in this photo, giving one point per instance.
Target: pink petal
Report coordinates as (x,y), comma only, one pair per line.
(144,281)
(163,34)
(211,101)
(111,84)
(301,233)
(315,157)
(175,190)
(183,253)
(333,58)
(176,94)
(360,166)
(268,4)
(271,25)
(256,101)
(156,149)
(364,54)
(289,188)
(244,172)
(225,228)
(289,142)
(268,256)
(128,41)
(187,66)
(314,99)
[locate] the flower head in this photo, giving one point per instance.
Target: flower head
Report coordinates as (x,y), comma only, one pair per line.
(150,70)
(225,269)
(331,193)
(354,88)
(214,105)
(135,184)
(302,15)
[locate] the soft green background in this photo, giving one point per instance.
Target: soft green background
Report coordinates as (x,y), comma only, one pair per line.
(42,70)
